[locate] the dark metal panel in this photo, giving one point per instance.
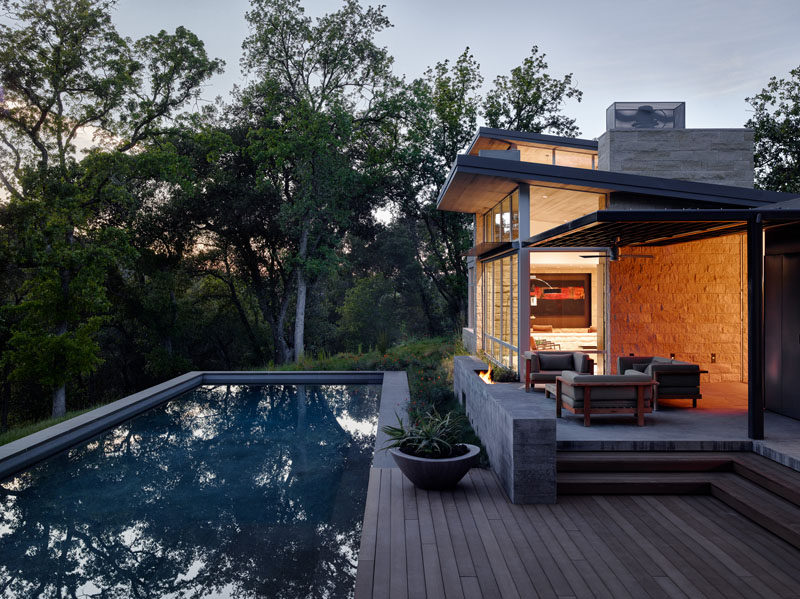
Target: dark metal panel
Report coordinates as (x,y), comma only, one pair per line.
(773,310)
(790,337)
(755,329)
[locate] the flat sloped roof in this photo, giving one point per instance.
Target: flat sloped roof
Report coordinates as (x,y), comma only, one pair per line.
(475,184)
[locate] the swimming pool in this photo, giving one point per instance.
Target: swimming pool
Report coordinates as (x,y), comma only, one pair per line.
(224,491)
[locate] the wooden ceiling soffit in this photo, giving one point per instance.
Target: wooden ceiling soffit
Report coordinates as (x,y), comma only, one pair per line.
(475,194)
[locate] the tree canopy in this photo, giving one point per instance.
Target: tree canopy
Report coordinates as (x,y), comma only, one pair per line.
(776,126)
(144,233)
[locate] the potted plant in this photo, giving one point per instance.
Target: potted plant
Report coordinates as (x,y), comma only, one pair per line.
(428,451)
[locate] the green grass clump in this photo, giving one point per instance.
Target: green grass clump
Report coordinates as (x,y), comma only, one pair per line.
(28,429)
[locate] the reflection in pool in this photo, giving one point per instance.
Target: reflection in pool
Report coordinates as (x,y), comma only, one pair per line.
(237,491)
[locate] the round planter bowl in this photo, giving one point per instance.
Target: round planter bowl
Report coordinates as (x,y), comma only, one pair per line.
(435,475)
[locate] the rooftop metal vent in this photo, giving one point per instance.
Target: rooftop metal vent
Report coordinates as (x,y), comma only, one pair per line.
(646,115)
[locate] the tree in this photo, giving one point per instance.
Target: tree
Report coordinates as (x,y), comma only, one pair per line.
(67,74)
(531,99)
(320,100)
(441,115)
(776,126)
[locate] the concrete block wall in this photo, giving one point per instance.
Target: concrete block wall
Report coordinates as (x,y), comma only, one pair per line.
(519,434)
(722,156)
(691,300)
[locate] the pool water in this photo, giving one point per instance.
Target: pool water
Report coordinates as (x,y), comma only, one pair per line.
(225,491)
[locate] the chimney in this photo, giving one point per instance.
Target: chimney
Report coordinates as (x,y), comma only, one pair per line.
(651,138)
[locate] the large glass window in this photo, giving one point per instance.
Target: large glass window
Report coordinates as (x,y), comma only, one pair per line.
(501,223)
(551,206)
(500,292)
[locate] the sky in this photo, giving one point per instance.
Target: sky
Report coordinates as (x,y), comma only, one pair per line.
(711,54)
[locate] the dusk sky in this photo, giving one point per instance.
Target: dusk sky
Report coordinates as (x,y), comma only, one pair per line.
(710,54)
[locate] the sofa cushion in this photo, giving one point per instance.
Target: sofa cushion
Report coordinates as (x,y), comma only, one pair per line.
(640,367)
(575,377)
(555,361)
(542,328)
(604,394)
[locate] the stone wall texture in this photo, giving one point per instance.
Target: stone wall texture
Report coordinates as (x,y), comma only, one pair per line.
(519,434)
(690,300)
(722,156)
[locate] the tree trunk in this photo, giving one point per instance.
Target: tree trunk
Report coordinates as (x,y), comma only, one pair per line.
(60,401)
(302,288)
(5,397)
(300,316)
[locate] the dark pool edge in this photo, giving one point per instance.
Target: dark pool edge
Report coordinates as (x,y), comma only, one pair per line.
(24,452)
(394,396)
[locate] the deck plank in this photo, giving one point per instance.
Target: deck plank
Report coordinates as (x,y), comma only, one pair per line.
(397,542)
(480,561)
(471,543)
(444,545)
(682,553)
(383,564)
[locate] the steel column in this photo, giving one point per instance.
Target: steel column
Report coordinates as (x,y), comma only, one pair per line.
(755,328)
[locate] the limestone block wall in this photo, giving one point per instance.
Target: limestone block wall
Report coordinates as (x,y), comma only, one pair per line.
(722,156)
(519,434)
(690,300)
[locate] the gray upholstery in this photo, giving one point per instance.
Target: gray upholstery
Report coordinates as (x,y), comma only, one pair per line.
(676,379)
(624,396)
(627,362)
(556,361)
(577,361)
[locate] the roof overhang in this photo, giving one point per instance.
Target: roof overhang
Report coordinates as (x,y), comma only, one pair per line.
(624,228)
(475,184)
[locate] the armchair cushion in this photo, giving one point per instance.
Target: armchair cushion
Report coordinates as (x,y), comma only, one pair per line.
(556,361)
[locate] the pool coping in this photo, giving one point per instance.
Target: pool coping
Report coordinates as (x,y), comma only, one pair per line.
(24,452)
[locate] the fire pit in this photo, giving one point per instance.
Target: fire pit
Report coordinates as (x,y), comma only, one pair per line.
(486,375)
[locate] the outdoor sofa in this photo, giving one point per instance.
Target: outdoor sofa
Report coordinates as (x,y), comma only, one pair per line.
(676,379)
(589,394)
(543,367)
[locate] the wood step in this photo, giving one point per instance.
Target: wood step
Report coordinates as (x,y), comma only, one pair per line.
(769,474)
(762,471)
(633,483)
(636,461)
(773,512)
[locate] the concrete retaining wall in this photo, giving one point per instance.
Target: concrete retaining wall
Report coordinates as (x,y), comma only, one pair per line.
(518,432)
(470,340)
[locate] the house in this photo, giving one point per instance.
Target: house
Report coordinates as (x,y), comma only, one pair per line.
(649,241)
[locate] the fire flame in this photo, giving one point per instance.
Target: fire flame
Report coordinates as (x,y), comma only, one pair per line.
(486,376)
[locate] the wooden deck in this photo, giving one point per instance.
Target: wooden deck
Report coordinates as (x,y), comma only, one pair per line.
(473,543)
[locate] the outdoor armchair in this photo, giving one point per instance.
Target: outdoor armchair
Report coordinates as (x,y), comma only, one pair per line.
(543,367)
(676,379)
